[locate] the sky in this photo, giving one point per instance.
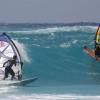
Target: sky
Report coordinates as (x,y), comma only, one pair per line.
(49,11)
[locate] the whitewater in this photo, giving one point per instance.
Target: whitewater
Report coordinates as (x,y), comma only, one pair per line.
(54,53)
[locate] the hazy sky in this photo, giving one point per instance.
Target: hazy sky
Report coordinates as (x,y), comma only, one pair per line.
(49,11)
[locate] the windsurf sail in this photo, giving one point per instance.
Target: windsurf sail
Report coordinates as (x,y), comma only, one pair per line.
(7,50)
(97,36)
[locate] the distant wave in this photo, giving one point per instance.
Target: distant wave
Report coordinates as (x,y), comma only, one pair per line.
(52,30)
(66,29)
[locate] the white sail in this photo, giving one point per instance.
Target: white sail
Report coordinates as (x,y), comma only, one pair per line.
(7,50)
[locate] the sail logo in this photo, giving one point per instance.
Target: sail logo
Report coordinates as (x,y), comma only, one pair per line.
(2,44)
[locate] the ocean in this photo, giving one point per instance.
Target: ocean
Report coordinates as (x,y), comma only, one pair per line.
(54,53)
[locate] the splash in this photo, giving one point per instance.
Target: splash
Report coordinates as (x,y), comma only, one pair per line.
(23,51)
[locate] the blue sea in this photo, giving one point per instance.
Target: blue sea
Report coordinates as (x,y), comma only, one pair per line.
(54,53)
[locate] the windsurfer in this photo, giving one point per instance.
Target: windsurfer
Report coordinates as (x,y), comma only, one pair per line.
(8,67)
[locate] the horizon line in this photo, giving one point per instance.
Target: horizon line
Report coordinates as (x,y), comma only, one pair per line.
(79,22)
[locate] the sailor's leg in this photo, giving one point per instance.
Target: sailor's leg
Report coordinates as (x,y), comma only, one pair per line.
(6,73)
(5,77)
(12,74)
(20,77)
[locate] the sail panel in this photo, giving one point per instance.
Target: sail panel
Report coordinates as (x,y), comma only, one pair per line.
(97,38)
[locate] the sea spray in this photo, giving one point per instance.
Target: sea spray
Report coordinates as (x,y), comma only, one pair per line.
(23,51)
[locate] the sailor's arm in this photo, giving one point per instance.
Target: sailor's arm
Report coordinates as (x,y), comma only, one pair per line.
(5,63)
(19,63)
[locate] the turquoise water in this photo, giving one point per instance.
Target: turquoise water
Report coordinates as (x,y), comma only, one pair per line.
(55,54)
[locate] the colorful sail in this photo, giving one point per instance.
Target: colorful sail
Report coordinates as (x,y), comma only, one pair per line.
(97,37)
(7,50)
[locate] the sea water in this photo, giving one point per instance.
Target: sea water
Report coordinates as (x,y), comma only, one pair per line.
(54,53)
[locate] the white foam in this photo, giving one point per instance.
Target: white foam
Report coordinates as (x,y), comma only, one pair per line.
(23,38)
(6,89)
(51,97)
(65,45)
(23,51)
(37,45)
(75,41)
(68,44)
(93,73)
